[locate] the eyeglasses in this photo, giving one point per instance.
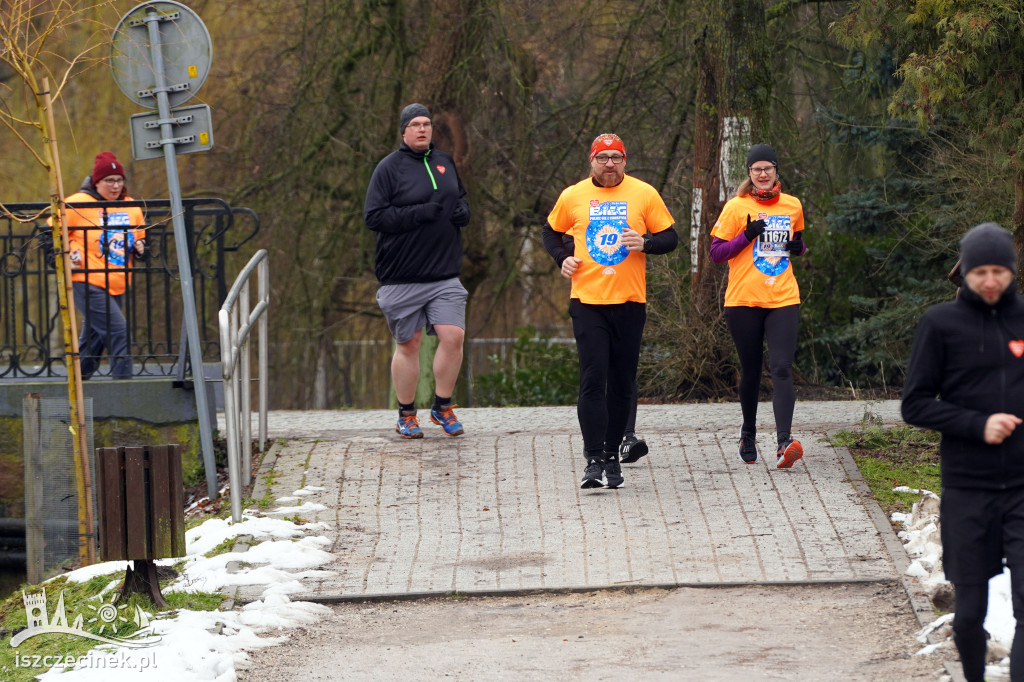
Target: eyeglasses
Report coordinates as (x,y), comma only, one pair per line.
(112,181)
(424,126)
(605,158)
(766,170)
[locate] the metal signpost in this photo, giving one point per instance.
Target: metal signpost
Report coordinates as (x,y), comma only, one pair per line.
(160,58)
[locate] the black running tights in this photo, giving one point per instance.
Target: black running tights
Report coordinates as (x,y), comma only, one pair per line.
(750,328)
(969,632)
(608,343)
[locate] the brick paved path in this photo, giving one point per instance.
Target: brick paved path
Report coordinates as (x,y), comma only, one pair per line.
(499,509)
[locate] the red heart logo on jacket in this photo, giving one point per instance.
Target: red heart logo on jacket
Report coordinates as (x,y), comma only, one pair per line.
(1017,348)
(440,169)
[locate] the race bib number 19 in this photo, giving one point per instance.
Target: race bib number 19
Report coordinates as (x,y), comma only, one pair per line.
(604,232)
(116,243)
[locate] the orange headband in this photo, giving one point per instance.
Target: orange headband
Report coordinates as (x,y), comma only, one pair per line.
(605,142)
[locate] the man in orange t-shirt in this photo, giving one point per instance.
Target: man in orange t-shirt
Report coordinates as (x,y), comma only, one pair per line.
(615,220)
(103,242)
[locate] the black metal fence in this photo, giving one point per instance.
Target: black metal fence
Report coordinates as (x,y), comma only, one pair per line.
(31,337)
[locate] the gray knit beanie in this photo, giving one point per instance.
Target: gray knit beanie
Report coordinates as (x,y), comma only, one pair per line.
(987,244)
(409,113)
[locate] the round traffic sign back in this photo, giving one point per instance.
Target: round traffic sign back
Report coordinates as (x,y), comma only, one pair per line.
(184,51)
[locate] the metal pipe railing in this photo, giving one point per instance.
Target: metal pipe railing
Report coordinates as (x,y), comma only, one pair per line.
(236,324)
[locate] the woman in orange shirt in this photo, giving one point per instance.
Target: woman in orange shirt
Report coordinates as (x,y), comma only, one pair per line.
(759,231)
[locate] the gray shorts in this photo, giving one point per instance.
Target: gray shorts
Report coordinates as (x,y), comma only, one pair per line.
(407,307)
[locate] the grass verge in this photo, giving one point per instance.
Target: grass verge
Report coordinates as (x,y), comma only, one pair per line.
(892,457)
(93,601)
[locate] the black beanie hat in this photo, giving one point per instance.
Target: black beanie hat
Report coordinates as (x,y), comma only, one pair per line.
(409,113)
(761,152)
(987,244)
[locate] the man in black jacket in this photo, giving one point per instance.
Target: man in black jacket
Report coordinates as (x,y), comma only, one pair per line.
(965,379)
(416,205)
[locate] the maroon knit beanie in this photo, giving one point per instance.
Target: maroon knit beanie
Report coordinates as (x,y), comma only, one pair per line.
(106,164)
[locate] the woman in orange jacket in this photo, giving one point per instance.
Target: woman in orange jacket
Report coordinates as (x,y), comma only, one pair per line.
(103,242)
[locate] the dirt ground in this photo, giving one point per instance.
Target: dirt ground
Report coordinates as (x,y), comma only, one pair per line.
(827,632)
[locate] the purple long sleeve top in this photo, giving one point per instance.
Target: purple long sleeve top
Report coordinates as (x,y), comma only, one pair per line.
(722,250)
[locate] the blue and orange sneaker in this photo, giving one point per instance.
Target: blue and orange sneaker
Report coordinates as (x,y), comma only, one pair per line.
(447,420)
(409,426)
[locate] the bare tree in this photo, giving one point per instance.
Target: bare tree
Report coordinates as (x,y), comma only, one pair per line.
(28,30)
(518,90)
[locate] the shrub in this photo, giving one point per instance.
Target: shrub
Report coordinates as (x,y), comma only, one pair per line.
(538,371)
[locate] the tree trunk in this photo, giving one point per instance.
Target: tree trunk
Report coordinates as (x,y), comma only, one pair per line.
(1018,215)
(76,395)
(448,86)
(732,98)
(706,203)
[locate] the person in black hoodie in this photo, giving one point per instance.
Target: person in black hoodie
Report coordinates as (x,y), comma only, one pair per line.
(416,205)
(965,379)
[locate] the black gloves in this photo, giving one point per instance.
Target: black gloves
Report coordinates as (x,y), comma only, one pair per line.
(795,246)
(428,212)
(754,229)
(46,244)
(460,216)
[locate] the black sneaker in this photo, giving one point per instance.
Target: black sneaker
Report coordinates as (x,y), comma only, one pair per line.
(612,472)
(748,449)
(632,449)
(593,475)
